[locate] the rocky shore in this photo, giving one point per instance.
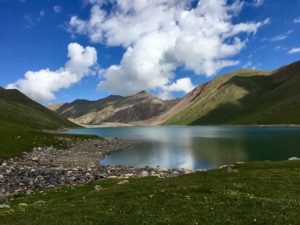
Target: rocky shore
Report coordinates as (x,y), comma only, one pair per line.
(48,167)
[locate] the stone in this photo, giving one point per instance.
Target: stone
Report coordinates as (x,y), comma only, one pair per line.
(232,170)
(29,192)
(294,159)
(123,182)
(129,175)
(144,174)
(4,206)
(35,158)
(1,177)
(39,203)
(98,188)
(240,163)
(223,166)
(187,171)
(163,170)
(23,205)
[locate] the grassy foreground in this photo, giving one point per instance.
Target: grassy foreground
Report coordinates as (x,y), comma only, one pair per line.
(15,139)
(260,193)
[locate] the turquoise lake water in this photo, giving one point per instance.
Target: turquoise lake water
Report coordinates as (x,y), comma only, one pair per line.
(200,147)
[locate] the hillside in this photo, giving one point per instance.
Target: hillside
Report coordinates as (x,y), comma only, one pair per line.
(17,108)
(116,109)
(22,122)
(242,97)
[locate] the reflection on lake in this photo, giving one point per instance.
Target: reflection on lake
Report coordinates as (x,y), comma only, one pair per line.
(200,147)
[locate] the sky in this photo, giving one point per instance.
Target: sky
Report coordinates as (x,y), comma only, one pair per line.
(58,51)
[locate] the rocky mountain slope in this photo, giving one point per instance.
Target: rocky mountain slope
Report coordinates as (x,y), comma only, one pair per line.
(116,109)
(242,97)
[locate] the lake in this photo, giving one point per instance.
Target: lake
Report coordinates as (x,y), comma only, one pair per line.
(200,147)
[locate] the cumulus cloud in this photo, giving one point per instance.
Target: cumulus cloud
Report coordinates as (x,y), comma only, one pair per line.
(181,85)
(161,35)
(42,85)
(294,51)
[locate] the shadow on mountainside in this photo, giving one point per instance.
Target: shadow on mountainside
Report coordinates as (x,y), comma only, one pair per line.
(272,99)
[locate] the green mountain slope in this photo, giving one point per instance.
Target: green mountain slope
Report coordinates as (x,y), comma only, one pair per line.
(244,97)
(22,122)
(17,108)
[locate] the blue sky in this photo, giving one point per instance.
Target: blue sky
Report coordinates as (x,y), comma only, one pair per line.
(35,35)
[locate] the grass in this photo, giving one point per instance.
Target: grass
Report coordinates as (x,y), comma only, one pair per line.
(15,139)
(22,125)
(246,98)
(261,193)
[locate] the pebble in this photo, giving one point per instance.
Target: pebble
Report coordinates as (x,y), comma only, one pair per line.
(45,167)
(35,158)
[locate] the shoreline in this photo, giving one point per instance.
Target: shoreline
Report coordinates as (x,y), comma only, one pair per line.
(114,125)
(50,168)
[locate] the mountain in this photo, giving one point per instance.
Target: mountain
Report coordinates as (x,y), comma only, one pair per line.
(18,109)
(242,97)
(54,107)
(116,109)
(23,123)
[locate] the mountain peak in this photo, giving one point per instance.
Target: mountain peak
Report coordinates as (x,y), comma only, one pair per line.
(142,93)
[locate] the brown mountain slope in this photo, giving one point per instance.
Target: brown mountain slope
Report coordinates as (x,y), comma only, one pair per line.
(116,109)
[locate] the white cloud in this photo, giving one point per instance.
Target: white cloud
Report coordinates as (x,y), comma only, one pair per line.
(297,20)
(57,8)
(201,38)
(294,51)
(181,85)
(42,85)
(280,37)
(258,3)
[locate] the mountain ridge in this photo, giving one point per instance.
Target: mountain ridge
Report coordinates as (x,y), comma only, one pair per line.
(243,98)
(115,108)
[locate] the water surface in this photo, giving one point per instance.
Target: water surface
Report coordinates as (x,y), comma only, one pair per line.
(200,147)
